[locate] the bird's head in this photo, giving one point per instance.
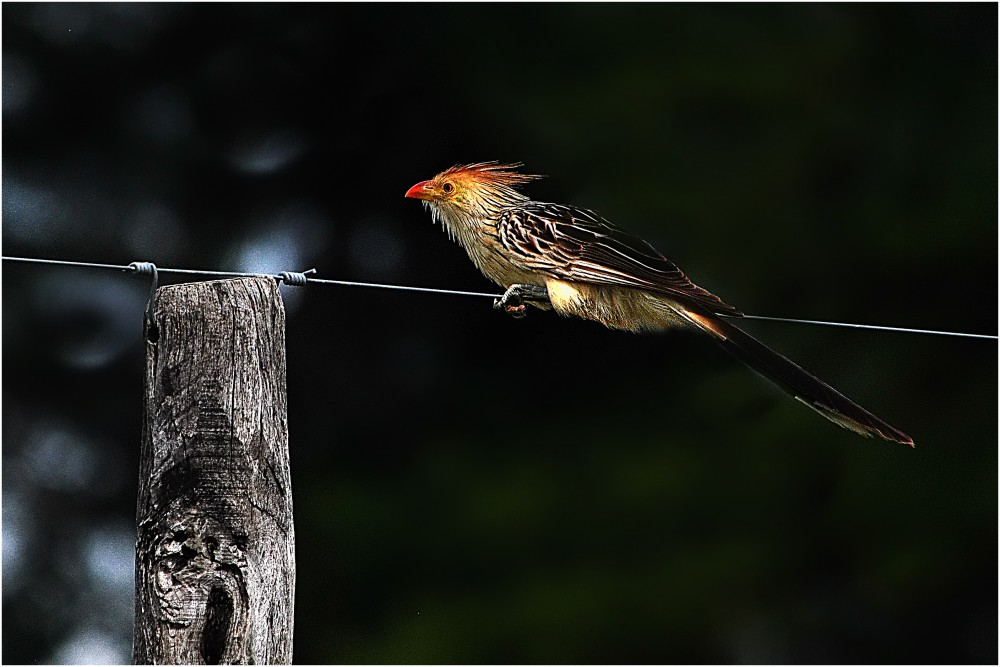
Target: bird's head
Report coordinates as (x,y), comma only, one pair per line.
(472,189)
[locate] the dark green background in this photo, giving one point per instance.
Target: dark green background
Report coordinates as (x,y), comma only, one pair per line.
(469,488)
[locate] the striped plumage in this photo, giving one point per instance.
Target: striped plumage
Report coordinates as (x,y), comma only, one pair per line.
(593,270)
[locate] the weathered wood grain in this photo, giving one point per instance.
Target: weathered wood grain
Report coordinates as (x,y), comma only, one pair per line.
(215,554)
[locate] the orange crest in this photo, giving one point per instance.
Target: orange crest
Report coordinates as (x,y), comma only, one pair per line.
(489,173)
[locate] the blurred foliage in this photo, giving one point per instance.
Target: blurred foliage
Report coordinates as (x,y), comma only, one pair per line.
(470,488)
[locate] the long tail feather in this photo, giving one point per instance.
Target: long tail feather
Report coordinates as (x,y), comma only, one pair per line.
(798,382)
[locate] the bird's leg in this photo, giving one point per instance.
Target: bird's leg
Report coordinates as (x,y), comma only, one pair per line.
(513,300)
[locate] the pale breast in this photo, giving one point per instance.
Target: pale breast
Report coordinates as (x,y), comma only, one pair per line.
(484,253)
(483,247)
(623,308)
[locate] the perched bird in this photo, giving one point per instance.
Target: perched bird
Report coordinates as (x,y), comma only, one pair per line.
(580,265)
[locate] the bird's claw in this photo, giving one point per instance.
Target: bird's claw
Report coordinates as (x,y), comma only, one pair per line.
(512,303)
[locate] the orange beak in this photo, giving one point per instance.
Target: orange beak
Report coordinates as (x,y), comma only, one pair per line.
(421,190)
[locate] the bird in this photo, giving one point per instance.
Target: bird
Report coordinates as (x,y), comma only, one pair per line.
(573,261)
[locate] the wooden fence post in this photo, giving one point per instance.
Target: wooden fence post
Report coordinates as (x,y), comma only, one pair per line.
(215,552)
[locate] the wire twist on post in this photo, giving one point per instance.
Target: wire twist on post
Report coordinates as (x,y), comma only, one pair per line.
(295,278)
(148,269)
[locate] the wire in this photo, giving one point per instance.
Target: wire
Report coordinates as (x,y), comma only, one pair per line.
(404,288)
(299,278)
(870,326)
(243,274)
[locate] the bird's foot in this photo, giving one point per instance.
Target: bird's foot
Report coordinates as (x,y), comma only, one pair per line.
(513,300)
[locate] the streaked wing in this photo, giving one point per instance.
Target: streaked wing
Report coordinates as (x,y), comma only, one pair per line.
(575,244)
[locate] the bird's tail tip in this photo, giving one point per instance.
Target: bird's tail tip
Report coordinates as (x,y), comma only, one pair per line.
(874,427)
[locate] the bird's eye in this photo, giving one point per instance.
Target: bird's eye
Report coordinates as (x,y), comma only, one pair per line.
(448,188)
